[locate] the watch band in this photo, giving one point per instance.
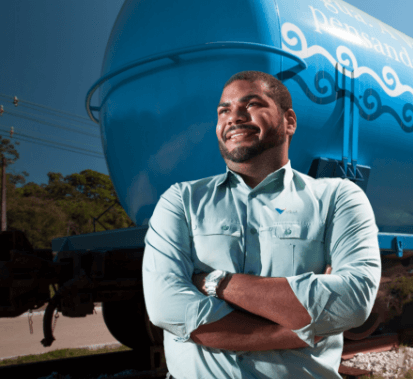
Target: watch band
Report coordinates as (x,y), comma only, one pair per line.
(213,280)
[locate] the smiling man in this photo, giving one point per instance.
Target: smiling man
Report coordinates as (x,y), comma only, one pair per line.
(237,266)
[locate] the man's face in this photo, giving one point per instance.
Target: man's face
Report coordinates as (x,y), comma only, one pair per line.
(249,122)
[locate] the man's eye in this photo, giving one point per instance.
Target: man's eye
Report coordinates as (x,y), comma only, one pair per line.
(223,111)
(253,103)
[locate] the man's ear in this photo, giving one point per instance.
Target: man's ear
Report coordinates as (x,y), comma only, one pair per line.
(290,118)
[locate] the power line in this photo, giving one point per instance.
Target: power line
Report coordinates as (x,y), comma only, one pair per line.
(64,139)
(45,117)
(45,107)
(59,148)
(98,155)
(90,124)
(16,114)
(55,147)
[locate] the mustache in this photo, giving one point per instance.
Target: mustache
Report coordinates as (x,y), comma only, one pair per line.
(240,127)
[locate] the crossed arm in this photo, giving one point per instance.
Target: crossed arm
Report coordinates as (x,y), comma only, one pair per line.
(272,311)
(267,309)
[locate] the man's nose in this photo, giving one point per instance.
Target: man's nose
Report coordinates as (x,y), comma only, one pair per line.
(239,115)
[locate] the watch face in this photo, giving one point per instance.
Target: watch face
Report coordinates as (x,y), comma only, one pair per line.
(212,280)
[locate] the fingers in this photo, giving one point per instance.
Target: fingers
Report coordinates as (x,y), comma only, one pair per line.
(328,270)
(317,339)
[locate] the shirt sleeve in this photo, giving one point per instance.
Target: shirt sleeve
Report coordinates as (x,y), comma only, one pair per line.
(172,301)
(344,299)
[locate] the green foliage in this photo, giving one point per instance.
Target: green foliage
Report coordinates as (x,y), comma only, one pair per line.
(8,150)
(40,219)
(65,206)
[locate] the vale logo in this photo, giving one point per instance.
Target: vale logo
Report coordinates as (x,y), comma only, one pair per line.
(280,211)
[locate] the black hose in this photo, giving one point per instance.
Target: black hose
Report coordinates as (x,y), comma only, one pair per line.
(80,280)
(48,318)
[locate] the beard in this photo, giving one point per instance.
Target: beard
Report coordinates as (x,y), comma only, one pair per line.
(244,153)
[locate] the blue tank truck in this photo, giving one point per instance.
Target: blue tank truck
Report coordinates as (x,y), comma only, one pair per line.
(351,78)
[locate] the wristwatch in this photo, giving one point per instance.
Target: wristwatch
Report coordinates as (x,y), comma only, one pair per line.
(213,280)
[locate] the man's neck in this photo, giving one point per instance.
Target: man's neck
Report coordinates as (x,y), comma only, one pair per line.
(256,170)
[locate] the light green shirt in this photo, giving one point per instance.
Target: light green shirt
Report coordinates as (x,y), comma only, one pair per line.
(290,225)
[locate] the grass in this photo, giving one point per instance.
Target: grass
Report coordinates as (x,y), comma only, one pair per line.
(60,354)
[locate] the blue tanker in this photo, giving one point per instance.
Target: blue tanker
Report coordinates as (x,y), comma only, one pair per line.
(165,64)
(350,75)
(351,79)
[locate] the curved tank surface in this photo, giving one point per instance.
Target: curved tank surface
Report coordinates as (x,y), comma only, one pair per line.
(166,63)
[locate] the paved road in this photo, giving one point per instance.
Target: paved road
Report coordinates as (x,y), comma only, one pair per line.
(16,340)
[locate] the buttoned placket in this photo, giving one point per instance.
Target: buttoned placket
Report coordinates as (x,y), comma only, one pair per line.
(247,203)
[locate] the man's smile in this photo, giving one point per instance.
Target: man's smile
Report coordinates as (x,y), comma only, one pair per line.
(238,133)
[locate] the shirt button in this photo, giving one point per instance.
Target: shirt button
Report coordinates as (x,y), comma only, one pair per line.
(253,231)
(224,227)
(253,196)
(288,232)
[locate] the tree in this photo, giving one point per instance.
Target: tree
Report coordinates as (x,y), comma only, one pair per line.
(8,151)
(65,206)
(93,185)
(59,188)
(40,219)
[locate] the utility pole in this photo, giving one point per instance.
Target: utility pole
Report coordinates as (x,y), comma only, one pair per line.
(3,198)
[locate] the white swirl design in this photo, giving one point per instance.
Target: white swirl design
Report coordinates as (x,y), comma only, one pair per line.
(345,57)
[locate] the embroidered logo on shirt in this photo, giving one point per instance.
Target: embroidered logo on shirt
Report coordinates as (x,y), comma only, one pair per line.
(281,211)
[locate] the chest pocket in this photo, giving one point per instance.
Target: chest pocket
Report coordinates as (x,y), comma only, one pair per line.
(216,245)
(289,249)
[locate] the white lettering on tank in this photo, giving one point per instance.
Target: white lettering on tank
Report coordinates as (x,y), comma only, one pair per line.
(388,48)
(384,30)
(388,79)
(330,6)
(359,18)
(378,46)
(404,56)
(352,30)
(335,23)
(367,41)
(346,9)
(317,24)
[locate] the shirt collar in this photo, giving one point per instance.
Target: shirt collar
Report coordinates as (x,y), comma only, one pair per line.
(285,172)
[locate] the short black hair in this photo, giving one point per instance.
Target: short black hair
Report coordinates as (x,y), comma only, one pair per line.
(276,89)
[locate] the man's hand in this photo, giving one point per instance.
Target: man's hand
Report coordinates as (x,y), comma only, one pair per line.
(199,281)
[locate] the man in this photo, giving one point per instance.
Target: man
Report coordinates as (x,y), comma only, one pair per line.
(233,265)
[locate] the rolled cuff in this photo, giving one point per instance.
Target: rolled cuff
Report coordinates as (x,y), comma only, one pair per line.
(313,295)
(202,312)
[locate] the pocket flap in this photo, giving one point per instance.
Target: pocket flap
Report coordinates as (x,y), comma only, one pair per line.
(297,230)
(216,227)
(291,231)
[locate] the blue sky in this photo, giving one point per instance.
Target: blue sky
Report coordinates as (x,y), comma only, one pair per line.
(51,53)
